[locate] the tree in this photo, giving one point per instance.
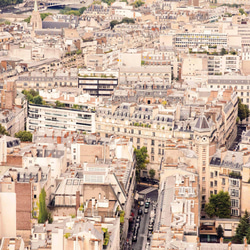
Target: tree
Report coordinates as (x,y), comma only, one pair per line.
(141,156)
(242,12)
(138,3)
(43,213)
(219,205)
(59,104)
(223,51)
(38,100)
(113,23)
(4,3)
(3,130)
(81,10)
(243,229)
(24,136)
(152,173)
(243,111)
(220,231)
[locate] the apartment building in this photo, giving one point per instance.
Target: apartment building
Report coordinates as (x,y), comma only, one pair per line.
(238,82)
(98,83)
(177,215)
(194,40)
(38,80)
(220,65)
(40,116)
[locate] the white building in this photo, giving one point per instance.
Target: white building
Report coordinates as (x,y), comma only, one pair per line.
(40,116)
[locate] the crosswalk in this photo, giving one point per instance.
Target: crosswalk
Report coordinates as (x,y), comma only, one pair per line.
(148,190)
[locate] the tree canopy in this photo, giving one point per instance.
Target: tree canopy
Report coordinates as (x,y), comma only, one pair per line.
(3,130)
(138,3)
(124,20)
(243,229)
(33,96)
(24,136)
(43,213)
(243,111)
(4,3)
(69,11)
(141,156)
(219,205)
(152,173)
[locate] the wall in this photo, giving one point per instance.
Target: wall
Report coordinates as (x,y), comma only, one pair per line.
(7,215)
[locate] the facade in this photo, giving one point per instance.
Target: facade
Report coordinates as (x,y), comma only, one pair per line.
(60,118)
(98,86)
(193,40)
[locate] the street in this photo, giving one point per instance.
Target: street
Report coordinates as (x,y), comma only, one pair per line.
(143,230)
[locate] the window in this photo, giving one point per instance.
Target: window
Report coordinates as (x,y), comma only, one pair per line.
(211,184)
(138,147)
(113,129)
(211,175)
(139,132)
(106,135)
(211,192)
(162,152)
(125,130)
(215,173)
(153,142)
(138,140)
(204,169)
(74,150)
(223,181)
(203,178)
(215,183)
(203,197)
(152,158)
(153,133)
(34,196)
(34,188)
(132,131)
(159,151)
(118,129)
(152,151)
(215,191)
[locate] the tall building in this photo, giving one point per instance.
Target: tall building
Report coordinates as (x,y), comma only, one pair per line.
(36,20)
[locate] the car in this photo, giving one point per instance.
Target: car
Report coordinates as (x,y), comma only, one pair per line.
(149,235)
(134,238)
(147,205)
(141,203)
(140,211)
(150,228)
(137,224)
(136,230)
(138,219)
(145,210)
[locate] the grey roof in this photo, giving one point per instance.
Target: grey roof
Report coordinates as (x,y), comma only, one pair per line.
(202,124)
(55,25)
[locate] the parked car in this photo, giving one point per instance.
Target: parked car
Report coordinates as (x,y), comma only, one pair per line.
(138,219)
(149,235)
(140,212)
(141,203)
(145,210)
(134,238)
(137,224)
(147,205)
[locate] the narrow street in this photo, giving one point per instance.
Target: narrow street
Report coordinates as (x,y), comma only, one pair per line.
(143,230)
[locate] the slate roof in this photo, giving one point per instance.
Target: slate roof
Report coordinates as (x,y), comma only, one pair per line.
(202,124)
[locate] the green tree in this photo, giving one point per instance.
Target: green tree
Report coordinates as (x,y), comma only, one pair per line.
(38,100)
(138,3)
(3,130)
(27,20)
(219,205)
(59,104)
(43,213)
(223,51)
(81,10)
(152,173)
(141,156)
(242,229)
(242,12)
(220,231)
(24,136)
(243,111)
(113,23)
(4,3)
(44,15)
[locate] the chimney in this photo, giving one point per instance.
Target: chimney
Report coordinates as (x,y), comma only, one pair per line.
(77,200)
(39,174)
(59,139)
(246,157)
